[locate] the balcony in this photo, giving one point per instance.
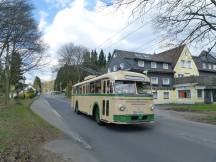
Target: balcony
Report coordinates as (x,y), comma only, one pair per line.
(200,80)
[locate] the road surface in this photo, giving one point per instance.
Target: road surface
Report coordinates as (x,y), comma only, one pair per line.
(167,140)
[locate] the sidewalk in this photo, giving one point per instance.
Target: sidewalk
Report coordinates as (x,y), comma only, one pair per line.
(74,148)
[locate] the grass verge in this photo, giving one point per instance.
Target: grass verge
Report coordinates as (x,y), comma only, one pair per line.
(208,112)
(22,131)
(195,107)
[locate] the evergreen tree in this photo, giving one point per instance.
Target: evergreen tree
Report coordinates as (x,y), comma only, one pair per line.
(37,84)
(102,59)
(16,72)
(87,58)
(109,57)
(94,57)
(67,75)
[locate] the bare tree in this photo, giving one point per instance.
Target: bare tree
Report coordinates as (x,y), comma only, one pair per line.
(185,21)
(18,35)
(69,54)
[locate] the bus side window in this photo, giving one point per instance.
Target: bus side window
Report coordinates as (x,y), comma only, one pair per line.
(77,90)
(91,87)
(104,86)
(98,87)
(111,87)
(80,89)
(88,88)
(84,89)
(108,87)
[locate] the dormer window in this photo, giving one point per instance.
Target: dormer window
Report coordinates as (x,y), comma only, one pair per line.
(214,67)
(165,66)
(153,65)
(122,66)
(141,63)
(209,66)
(204,66)
(115,68)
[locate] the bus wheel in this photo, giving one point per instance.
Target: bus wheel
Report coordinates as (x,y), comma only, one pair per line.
(77,108)
(97,116)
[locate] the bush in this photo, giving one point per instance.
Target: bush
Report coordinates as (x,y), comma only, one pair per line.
(27,95)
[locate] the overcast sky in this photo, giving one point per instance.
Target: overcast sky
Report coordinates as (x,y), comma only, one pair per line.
(89,23)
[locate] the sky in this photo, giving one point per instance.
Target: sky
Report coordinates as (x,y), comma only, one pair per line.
(93,24)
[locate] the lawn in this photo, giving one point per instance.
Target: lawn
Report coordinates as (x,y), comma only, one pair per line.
(207,111)
(21,131)
(195,107)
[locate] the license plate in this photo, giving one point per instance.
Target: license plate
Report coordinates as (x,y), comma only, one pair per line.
(138,112)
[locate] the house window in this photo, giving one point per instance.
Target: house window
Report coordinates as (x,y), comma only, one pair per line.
(166,81)
(204,66)
(199,93)
(153,65)
(165,66)
(214,67)
(122,66)
(166,95)
(182,63)
(155,95)
(141,63)
(184,94)
(189,65)
(209,66)
(114,68)
(154,80)
(180,75)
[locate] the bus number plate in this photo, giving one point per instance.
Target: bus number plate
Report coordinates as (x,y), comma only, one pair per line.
(137,112)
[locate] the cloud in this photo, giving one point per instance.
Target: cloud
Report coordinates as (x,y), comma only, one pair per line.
(42,22)
(91,28)
(80,25)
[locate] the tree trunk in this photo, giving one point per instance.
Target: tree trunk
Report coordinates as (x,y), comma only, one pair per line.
(7,78)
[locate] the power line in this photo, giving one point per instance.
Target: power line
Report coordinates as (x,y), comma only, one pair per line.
(151,45)
(143,44)
(120,31)
(130,33)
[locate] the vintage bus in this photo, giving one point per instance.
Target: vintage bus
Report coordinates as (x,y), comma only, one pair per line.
(120,97)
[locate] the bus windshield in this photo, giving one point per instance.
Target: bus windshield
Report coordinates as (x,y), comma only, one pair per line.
(143,88)
(125,87)
(132,87)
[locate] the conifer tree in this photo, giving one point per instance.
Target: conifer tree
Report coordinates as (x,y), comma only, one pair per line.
(109,57)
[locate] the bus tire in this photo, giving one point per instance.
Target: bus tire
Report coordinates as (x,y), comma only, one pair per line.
(77,108)
(96,114)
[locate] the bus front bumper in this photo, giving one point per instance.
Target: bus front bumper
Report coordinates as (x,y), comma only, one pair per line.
(133,119)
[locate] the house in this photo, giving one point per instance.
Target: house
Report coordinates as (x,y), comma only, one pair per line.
(176,76)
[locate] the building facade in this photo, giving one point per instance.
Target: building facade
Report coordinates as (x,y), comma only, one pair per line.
(176,76)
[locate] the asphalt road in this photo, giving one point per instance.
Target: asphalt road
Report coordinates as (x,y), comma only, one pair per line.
(167,140)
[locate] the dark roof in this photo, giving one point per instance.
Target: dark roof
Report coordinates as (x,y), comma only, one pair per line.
(171,55)
(137,55)
(153,70)
(204,57)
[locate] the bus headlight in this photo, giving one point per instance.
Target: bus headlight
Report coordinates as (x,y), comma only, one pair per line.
(122,107)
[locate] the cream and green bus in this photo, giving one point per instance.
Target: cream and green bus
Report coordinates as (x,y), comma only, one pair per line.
(120,97)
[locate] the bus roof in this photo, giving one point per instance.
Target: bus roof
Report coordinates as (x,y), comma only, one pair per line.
(119,75)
